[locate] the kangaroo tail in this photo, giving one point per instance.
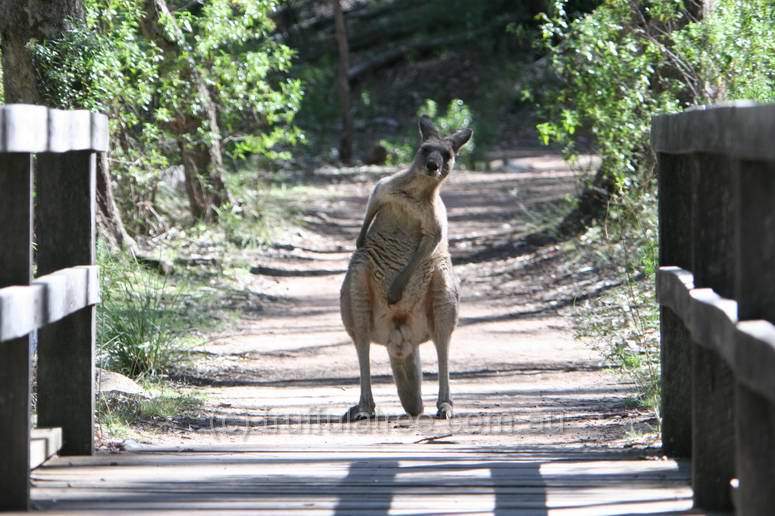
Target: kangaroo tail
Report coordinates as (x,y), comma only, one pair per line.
(407,373)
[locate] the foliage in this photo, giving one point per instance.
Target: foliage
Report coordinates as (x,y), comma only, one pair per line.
(616,74)
(137,318)
(457,116)
(624,322)
(110,64)
(735,49)
(628,61)
(263,209)
(618,66)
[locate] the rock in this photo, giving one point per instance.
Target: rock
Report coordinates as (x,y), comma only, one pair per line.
(114,385)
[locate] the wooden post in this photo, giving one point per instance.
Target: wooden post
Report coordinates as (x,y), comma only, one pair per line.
(713,382)
(675,342)
(15,269)
(66,232)
(755,422)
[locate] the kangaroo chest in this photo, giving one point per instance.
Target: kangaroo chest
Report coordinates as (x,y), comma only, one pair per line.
(391,242)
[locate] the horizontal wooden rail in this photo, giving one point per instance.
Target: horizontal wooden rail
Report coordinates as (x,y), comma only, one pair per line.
(46,300)
(28,128)
(755,357)
(742,130)
(44,444)
(748,347)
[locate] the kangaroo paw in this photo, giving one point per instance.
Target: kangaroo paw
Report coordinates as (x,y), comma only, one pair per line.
(358,413)
(445,410)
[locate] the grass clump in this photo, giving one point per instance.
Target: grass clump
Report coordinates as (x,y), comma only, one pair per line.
(118,415)
(137,318)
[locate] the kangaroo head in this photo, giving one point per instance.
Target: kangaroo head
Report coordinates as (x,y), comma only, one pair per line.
(436,155)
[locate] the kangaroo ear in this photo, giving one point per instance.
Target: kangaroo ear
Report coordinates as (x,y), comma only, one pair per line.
(460,138)
(427,130)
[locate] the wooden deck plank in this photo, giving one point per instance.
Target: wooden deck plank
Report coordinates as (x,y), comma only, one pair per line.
(395,481)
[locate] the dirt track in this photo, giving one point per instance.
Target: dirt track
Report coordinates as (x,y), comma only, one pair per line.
(288,373)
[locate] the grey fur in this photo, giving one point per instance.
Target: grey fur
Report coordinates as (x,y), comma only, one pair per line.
(400,290)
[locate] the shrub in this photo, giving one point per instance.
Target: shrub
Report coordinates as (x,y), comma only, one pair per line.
(618,66)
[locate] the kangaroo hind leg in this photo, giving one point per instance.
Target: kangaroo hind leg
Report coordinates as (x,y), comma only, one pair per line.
(444,310)
(356,315)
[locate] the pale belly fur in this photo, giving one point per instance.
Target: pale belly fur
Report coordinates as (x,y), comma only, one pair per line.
(389,246)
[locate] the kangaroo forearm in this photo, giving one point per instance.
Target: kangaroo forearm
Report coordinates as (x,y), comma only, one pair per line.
(424,250)
(365,228)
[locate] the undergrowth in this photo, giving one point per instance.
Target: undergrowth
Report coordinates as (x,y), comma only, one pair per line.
(624,320)
(118,415)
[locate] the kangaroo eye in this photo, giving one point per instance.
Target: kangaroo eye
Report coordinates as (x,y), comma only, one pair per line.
(446,155)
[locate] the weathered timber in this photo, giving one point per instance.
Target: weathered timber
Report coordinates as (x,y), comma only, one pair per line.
(338,480)
(46,300)
(711,321)
(66,216)
(675,217)
(28,128)
(727,298)
(742,130)
(44,444)
(15,361)
(712,239)
(674,285)
(60,304)
(756,300)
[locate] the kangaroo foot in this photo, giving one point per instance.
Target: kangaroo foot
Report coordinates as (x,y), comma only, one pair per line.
(358,413)
(445,410)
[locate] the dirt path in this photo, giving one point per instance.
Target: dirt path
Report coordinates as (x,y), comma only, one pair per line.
(288,373)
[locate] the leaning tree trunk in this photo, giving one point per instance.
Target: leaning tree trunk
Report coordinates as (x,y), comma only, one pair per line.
(202,162)
(346,140)
(109,221)
(21,21)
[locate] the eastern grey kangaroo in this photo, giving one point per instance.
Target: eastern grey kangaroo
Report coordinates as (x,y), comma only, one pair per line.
(400,290)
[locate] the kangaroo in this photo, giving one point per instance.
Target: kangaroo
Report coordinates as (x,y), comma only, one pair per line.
(400,290)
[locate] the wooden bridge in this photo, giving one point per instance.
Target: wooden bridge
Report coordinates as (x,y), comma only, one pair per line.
(716,287)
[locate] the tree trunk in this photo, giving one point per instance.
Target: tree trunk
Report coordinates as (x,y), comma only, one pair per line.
(109,219)
(21,21)
(346,140)
(195,160)
(202,162)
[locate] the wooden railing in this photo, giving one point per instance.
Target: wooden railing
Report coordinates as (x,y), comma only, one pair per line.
(716,288)
(59,149)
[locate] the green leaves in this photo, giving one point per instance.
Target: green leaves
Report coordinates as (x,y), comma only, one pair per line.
(457,116)
(113,63)
(618,66)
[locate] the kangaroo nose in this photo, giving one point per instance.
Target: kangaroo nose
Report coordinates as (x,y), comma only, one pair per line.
(432,166)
